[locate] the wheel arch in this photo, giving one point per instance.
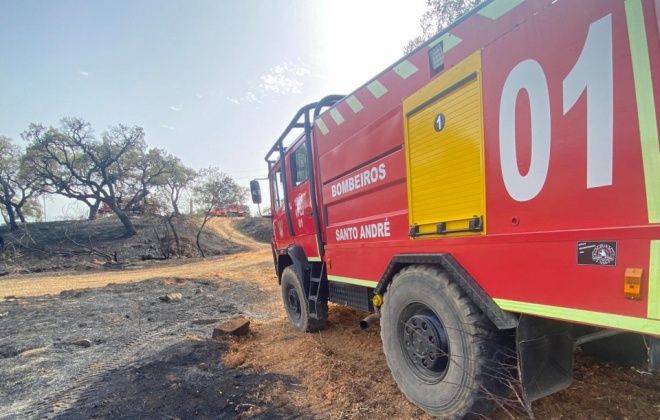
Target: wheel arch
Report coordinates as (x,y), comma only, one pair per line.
(293,255)
(500,318)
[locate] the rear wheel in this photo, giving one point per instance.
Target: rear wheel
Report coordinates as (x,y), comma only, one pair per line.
(295,303)
(444,353)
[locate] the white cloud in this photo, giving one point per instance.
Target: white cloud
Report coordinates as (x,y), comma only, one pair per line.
(83,73)
(287,78)
(251,97)
(169,127)
(176,108)
(284,79)
(199,95)
(248,98)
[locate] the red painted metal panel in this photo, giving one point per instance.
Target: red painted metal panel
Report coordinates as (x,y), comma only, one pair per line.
(537,270)
(382,197)
(555,40)
(534,259)
(350,152)
(378,174)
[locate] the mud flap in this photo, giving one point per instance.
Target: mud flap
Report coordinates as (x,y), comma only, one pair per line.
(299,259)
(654,354)
(545,356)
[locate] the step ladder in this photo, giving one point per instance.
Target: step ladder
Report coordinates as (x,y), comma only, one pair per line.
(318,292)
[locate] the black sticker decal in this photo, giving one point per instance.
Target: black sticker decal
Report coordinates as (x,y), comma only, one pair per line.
(439,122)
(597,253)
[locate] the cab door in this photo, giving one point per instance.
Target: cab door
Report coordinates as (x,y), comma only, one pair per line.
(281,233)
(300,198)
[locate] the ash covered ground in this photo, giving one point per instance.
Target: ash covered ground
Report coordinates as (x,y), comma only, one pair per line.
(93,244)
(143,358)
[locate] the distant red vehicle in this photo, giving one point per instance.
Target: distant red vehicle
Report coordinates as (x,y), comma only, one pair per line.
(136,208)
(231,210)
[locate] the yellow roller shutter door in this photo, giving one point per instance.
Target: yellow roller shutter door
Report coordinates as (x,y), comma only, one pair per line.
(445,159)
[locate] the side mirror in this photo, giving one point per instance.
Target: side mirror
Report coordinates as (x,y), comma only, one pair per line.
(255,191)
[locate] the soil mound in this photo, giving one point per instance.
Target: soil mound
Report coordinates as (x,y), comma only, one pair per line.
(257,228)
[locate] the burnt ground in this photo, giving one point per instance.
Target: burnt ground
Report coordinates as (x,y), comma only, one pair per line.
(146,358)
(92,244)
(258,228)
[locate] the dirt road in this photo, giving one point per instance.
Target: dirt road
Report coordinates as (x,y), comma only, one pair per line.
(148,361)
(39,285)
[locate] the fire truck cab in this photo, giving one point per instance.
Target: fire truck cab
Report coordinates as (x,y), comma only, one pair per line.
(493,197)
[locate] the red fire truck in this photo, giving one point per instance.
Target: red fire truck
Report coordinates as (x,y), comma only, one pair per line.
(230,210)
(494,193)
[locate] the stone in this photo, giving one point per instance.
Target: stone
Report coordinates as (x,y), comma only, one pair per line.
(171,297)
(236,326)
(83,342)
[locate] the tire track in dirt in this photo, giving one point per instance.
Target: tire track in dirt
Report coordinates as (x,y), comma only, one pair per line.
(86,386)
(223,227)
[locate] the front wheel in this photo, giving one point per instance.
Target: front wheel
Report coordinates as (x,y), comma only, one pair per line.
(295,303)
(444,353)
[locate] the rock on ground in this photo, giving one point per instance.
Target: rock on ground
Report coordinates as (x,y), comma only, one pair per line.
(237,326)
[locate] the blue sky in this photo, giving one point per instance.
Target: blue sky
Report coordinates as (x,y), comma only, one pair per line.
(213,82)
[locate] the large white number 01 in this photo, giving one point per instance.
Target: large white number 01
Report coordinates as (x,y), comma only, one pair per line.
(592,72)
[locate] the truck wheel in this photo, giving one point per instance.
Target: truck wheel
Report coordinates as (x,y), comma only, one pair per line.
(295,303)
(444,353)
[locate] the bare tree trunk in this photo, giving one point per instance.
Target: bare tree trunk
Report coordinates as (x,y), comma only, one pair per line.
(175,234)
(174,198)
(128,224)
(12,218)
(199,232)
(7,195)
(94,210)
(19,213)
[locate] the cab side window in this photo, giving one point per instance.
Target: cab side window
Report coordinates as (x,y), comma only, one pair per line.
(298,162)
(278,190)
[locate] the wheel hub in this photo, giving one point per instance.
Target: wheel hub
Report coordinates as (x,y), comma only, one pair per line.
(293,303)
(425,344)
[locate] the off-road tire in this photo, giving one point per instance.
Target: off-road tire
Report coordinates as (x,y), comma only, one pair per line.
(299,318)
(479,358)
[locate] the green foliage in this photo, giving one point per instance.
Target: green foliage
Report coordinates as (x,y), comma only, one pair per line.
(442,13)
(17,184)
(70,161)
(175,185)
(31,211)
(215,188)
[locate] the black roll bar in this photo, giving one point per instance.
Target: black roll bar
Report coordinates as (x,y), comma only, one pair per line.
(279,147)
